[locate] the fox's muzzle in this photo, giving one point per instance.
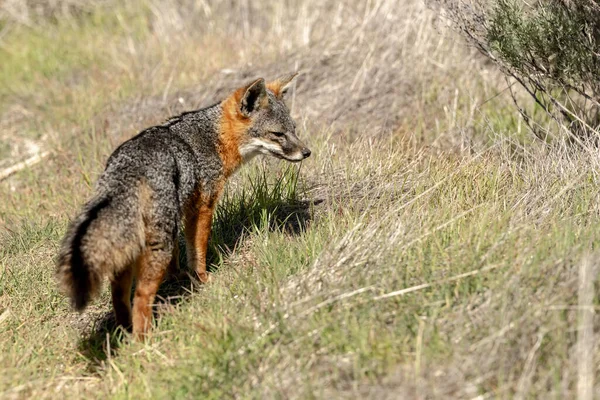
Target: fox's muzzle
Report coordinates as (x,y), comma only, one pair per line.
(294,150)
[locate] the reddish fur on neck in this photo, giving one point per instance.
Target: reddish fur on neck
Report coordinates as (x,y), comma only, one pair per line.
(233,126)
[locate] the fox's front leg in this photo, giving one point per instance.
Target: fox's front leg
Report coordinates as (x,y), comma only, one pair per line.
(198,223)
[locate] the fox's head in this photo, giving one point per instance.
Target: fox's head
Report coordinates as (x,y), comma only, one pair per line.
(262,121)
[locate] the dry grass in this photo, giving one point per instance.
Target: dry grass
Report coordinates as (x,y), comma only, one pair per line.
(427,249)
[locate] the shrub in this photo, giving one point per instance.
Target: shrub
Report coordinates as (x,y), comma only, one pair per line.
(550,47)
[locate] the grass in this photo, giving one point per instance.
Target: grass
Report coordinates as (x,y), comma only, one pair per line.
(429,247)
(288,308)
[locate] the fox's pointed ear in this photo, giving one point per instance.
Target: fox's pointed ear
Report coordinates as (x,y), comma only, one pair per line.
(280,86)
(254,97)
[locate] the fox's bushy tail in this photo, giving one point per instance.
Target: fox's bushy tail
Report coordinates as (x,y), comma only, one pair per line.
(103,240)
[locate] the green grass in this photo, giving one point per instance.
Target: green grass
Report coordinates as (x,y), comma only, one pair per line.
(439,259)
(300,312)
(64,54)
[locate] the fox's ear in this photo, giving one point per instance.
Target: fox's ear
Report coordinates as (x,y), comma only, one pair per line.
(280,86)
(254,97)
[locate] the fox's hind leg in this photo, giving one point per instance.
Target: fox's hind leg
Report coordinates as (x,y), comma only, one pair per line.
(174,268)
(121,296)
(151,268)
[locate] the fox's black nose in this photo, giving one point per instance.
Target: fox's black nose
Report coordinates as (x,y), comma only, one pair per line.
(306,152)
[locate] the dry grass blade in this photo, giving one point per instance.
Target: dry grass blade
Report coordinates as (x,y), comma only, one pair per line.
(402,292)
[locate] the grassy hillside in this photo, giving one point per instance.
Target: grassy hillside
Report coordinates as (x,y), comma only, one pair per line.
(429,248)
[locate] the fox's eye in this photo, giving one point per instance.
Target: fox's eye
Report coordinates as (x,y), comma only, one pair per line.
(278,134)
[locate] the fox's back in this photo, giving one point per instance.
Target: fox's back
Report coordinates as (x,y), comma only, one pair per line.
(166,161)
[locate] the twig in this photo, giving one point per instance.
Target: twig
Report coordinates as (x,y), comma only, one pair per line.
(34,159)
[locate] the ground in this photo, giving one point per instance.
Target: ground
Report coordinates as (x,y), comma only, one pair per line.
(430,247)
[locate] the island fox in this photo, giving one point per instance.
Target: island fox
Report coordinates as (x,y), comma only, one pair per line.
(165,175)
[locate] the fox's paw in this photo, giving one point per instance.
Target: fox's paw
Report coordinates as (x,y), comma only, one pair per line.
(204,277)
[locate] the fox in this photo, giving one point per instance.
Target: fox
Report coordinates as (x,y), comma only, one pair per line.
(165,178)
